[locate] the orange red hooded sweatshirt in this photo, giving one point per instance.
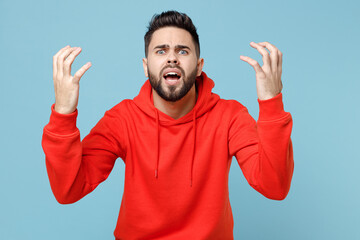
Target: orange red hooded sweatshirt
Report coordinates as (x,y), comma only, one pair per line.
(176,171)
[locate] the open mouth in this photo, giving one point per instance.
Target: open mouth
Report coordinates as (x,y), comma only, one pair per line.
(172,76)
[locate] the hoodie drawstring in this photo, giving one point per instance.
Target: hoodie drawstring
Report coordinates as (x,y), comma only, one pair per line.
(158,145)
(193,153)
(157,142)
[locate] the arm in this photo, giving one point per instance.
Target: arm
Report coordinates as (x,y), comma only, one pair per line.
(267,158)
(75,168)
(263,149)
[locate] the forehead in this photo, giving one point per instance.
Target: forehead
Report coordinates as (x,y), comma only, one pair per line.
(171,36)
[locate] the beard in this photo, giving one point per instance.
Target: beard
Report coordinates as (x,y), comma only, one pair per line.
(172,93)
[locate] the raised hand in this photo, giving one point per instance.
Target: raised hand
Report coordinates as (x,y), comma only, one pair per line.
(67,86)
(268,76)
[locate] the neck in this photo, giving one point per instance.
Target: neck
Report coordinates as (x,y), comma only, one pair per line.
(176,109)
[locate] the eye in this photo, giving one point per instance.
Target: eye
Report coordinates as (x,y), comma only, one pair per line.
(183,52)
(160,51)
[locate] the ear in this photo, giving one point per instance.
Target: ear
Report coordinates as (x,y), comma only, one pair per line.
(145,67)
(200,65)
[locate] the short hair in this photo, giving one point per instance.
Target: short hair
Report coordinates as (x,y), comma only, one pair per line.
(171,19)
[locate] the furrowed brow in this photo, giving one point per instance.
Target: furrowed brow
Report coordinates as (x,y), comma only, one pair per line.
(162,46)
(167,46)
(182,47)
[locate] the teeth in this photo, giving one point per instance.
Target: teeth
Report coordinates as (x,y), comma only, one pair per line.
(171,73)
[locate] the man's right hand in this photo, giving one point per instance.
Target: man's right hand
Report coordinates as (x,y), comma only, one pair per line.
(67,86)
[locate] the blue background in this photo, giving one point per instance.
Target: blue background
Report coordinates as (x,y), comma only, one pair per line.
(319,40)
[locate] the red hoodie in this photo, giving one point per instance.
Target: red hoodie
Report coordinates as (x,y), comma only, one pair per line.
(176,171)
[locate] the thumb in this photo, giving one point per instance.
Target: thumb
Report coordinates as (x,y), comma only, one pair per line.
(81,72)
(253,63)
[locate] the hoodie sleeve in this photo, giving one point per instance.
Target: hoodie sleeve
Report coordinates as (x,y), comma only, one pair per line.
(75,167)
(263,149)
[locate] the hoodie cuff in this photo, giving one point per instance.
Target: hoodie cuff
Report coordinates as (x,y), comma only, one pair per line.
(62,124)
(271,109)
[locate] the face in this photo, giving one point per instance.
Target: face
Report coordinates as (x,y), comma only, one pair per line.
(172,64)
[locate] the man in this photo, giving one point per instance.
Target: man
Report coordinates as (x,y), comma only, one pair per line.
(176,138)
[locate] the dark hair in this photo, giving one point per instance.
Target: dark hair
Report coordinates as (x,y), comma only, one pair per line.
(171,19)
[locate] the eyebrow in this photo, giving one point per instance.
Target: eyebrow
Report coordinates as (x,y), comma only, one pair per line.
(177,46)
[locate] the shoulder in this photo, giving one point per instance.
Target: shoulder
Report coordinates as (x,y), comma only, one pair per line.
(120,109)
(121,105)
(231,105)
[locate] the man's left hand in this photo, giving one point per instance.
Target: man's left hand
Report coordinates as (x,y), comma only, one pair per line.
(268,76)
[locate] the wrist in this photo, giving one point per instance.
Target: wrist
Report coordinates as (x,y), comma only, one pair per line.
(63,110)
(267,95)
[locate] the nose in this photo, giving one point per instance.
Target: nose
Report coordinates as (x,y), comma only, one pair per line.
(172,58)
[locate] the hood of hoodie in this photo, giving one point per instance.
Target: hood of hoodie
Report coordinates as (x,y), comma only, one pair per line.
(206,100)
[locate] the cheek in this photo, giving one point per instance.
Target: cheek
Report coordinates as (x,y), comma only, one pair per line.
(154,67)
(191,67)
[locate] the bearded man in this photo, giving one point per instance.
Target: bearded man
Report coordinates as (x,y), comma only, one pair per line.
(176,137)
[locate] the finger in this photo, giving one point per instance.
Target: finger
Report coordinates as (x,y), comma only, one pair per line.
(253,63)
(81,72)
(264,53)
(69,61)
(61,58)
(55,60)
(274,55)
